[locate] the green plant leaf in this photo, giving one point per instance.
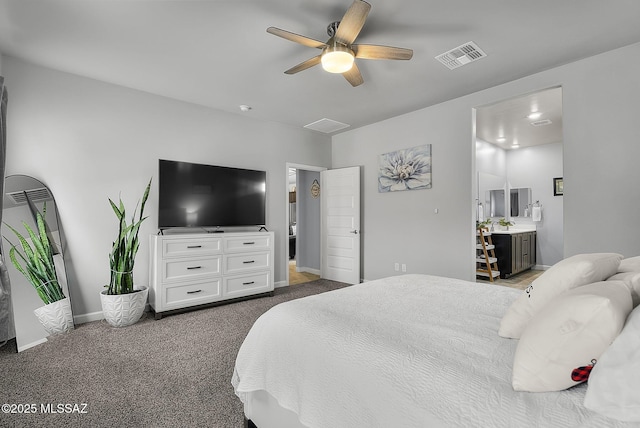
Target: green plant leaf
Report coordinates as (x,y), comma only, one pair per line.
(125,246)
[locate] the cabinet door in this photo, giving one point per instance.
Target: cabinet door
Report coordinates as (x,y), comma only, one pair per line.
(532,249)
(515,254)
(526,262)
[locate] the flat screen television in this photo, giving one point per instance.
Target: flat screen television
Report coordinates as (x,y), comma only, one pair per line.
(210,196)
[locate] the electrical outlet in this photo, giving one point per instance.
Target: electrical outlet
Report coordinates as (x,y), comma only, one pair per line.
(404,267)
(396,267)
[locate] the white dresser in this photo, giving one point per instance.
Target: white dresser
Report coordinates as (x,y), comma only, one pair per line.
(196,269)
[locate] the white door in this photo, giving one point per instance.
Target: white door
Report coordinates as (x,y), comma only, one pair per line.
(340,226)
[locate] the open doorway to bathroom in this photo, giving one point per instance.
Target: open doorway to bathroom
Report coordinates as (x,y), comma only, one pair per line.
(519,158)
(304,223)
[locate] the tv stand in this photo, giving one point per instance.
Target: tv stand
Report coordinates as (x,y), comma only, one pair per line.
(189,270)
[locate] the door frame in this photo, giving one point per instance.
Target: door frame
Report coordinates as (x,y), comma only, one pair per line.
(297,166)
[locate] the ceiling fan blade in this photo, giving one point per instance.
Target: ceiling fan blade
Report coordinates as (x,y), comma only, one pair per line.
(353,76)
(303,40)
(352,22)
(381,52)
(304,65)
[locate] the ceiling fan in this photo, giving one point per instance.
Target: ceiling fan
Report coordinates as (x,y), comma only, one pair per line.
(339,52)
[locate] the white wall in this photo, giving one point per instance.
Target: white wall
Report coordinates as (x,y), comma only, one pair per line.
(536,167)
(601,198)
(402,226)
(308,230)
(490,159)
(89,141)
(532,167)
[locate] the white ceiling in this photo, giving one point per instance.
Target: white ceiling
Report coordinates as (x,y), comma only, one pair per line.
(507,123)
(218,54)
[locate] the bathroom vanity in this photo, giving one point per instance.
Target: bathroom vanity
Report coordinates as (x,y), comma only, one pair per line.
(515,250)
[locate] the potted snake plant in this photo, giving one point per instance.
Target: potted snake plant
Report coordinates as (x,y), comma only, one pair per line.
(123,303)
(36,263)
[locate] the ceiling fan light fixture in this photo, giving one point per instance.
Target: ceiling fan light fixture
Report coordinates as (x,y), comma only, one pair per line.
(337,59)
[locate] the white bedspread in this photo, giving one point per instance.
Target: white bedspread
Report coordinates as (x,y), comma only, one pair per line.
(407,351)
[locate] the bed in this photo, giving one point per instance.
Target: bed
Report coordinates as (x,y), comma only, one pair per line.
(404,351)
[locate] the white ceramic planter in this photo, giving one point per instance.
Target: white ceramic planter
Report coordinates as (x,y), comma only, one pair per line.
(121,310)
(56,317)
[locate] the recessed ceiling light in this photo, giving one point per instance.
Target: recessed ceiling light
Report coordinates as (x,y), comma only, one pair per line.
(245,108)
(501,139)
(534,115)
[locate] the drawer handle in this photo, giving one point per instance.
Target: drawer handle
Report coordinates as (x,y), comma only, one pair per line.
(194,246)
(249,261)
(194,292)
(248,243)
(248,283)
(193,267)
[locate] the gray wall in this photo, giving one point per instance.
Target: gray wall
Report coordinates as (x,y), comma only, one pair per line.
(308,230)
(89,141)
(536,167)
(533,167)
(601,198)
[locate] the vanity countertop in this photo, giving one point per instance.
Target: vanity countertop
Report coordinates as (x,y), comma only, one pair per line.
(513,230)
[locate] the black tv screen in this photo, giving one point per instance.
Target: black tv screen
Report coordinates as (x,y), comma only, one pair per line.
(196,195)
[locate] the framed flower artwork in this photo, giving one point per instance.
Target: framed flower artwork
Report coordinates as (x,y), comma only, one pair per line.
(407,169)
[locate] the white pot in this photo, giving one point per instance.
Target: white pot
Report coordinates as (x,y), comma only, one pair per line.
(56,317)
(121,310)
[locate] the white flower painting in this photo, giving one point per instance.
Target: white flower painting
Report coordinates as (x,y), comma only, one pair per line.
(408,169)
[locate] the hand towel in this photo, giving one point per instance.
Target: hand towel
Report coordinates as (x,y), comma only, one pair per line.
(536,213)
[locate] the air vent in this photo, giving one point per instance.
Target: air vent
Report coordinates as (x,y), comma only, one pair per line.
(462,55)
(20,198)
(326,125)
(541,122)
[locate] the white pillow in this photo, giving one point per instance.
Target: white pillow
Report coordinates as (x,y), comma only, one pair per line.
(569,273)
(631,280)
(570,333)
(614,381)
(632,264)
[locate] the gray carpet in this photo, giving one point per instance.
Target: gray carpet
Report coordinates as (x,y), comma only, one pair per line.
(175,372)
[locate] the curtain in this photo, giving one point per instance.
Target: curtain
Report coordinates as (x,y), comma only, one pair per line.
(6,312)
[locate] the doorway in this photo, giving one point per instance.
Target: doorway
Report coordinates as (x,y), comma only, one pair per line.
(519,151)
(303,223)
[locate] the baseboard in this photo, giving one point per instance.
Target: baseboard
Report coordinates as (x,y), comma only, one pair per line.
(541,267)
(96,316)
(308,270)
(281,284)
(31,345)
(83,318)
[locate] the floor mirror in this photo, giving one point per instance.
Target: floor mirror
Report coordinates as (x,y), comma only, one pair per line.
(20,190)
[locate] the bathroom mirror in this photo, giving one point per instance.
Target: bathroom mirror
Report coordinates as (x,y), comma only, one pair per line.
(495,203)
(491,193)
(520,202)
(19,189)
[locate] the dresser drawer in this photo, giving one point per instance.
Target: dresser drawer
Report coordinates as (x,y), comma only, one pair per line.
(238,263)
(178,296)
(244,285)
(191,269)
(248,243)
(191,247)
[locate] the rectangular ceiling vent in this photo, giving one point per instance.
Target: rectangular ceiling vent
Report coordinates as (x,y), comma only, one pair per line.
(326,125)
(541,122)
(20,198)
(462,55)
